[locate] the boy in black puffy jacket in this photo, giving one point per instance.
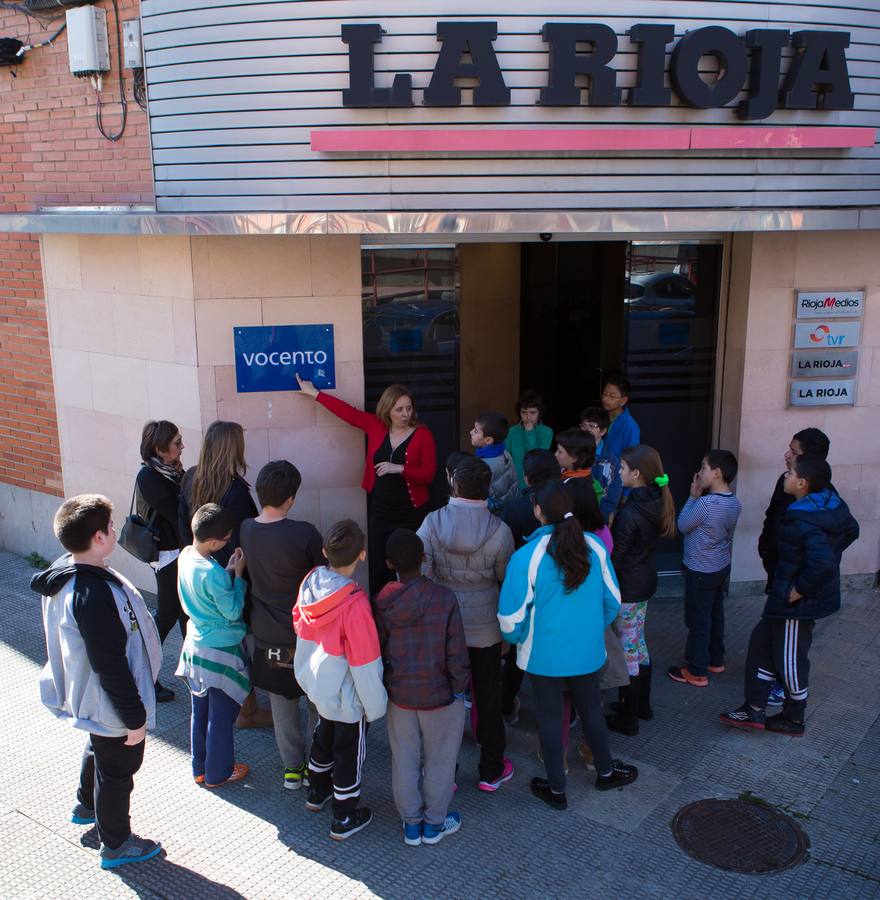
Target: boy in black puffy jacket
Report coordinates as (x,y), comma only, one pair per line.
(811,535)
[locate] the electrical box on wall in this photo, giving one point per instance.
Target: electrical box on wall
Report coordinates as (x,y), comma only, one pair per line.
(87,44)
(132,52)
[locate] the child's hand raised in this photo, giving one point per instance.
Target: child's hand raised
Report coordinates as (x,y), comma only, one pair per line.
(696,486)
(236,562)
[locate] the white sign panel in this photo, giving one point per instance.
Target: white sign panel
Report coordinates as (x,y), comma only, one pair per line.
(841,392)
(830,304)
(819,363)
(826,335)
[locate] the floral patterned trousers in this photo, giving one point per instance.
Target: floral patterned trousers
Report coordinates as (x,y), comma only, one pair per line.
(629,626)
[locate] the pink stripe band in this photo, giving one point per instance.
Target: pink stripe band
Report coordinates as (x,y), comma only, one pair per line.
(463,140)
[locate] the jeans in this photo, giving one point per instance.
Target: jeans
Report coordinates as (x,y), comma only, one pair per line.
(587,699)
(106,781)
(486,694)
(704,594)
(511,681)
(212,735)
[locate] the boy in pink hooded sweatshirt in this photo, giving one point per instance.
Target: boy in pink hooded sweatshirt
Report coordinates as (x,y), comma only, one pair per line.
(339,666)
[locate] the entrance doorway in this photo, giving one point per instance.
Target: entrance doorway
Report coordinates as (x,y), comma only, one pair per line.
(468,327)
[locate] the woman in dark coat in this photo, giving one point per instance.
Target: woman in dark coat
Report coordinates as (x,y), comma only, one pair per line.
(158,493)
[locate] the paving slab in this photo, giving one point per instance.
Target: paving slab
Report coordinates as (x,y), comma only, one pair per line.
(257,840)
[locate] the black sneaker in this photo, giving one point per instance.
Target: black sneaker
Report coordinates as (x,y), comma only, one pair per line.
(744,717)
(621,774)
(317,798)
(163,694)
(781,725)
(541,789)
(356,821)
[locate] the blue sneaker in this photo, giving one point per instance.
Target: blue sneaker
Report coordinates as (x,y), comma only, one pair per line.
(135,849)
(433,834)
(82,815)
(412,834)
(777,695)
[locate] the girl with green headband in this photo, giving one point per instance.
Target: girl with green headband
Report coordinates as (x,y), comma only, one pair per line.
(647,515)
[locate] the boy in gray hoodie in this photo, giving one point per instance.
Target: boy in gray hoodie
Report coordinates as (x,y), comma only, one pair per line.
(104,657)
(338,664)
(467,549)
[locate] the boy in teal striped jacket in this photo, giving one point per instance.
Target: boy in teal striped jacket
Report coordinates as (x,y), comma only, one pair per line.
(213,660)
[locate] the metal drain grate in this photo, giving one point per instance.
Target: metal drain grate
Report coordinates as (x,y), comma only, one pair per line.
(740,836)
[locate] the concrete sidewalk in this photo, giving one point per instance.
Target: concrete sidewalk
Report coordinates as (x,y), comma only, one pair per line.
(257,840)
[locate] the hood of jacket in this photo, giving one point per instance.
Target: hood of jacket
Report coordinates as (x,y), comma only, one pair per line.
(648,501)
(404,602)
(51,580)
(826,501)
(324,595)
(466,525)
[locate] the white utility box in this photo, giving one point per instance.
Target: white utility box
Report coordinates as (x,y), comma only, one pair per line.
(87,44)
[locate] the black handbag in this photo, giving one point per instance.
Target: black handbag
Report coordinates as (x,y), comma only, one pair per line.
(139,536)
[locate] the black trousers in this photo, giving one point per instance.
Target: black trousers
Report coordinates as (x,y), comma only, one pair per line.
(106,780)
(511,681)
(380,524)
(168,609)
(586,698)
(779,651)
(337,760)
(704,594)
(486,697)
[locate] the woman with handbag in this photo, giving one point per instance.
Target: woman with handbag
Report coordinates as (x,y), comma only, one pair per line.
(157,489)
(219,478)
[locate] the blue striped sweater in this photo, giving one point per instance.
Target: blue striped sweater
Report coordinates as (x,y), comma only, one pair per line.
(707,525)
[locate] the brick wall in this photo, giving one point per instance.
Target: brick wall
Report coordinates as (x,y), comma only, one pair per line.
(51,154)
(29,451)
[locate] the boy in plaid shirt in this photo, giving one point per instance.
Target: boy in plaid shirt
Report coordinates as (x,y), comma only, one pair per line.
(426,673)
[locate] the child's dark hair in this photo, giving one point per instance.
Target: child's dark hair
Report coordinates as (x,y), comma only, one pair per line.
(618,380)
(596,414)
(813,441)
(814,469)
(724,460)
(454,459)
(212,522)
(405,551)
(580,445)
(79,519)
(343,543)
(540,466)
(530,399)
(493,425)
(277,481)
(567,547)
(471,479)
(585,503)
(157,436)
(647,460)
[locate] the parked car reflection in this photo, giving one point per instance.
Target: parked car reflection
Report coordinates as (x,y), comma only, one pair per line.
(411,326)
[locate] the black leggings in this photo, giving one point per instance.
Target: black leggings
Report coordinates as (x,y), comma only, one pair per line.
(168,610)
(587,700)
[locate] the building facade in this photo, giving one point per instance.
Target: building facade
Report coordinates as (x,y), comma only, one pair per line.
(477,204)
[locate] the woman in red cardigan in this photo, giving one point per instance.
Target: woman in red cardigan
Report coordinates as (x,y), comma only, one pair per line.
(400,465)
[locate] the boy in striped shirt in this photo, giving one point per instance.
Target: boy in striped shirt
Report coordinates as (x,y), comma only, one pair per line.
(707,522)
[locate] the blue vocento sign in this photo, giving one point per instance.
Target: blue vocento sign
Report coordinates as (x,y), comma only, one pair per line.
(268,357)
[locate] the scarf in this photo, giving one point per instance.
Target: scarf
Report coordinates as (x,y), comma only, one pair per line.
(491,451)
(172,473)
(568,474)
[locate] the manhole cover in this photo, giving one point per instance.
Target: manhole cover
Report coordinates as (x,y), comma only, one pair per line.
(739,836)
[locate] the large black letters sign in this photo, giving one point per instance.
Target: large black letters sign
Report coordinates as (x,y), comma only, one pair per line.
(817,77)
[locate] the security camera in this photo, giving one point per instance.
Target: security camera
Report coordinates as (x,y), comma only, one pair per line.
(545,236)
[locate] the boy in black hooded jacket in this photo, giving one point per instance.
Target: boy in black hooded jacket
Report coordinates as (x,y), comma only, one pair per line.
(811,536)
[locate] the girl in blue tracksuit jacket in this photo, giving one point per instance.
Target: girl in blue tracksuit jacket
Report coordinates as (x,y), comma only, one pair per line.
(559,594)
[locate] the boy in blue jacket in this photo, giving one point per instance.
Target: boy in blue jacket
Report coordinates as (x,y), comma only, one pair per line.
(812,535)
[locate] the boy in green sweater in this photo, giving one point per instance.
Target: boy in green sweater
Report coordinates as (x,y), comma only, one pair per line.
(213,660)
(529,433)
